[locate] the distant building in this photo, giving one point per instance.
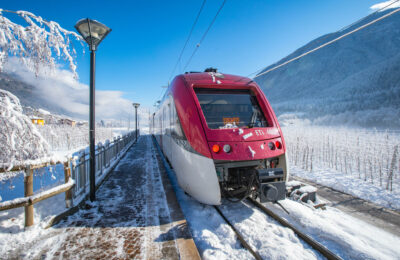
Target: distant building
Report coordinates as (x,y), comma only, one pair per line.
(81,123)
(66,121)
(37,121)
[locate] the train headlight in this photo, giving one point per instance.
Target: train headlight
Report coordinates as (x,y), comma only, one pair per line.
(216,148)
(227,148)
(278,145)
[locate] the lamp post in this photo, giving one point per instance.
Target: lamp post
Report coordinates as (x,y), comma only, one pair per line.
(136,105)
(93,33)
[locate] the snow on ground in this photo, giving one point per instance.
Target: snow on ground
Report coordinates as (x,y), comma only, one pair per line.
(343,234)
(216,240)
(12,232)
(351,185)
(270,239)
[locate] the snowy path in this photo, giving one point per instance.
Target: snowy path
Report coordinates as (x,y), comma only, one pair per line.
(130,218)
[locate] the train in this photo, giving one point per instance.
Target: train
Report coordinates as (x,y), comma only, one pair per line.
(222,138)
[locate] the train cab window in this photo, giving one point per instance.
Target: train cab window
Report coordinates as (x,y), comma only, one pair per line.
(230,108)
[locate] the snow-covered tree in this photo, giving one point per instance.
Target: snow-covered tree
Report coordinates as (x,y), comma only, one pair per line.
(19,138)
(38,44)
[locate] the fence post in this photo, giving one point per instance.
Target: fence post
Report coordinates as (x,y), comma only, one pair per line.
(82,171)
(103,163)
(68,193)
(28,191)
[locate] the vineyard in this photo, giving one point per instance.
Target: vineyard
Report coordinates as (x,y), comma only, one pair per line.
(64,137)
(369,155)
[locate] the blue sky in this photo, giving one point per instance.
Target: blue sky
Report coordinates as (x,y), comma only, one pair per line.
(138,56)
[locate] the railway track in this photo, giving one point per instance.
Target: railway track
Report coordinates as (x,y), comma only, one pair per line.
(313,243)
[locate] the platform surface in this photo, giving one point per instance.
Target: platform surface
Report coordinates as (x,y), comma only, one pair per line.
(135,216)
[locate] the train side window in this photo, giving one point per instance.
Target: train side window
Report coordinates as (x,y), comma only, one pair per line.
(163,122)
(168,120)
(171,117)
(176,130)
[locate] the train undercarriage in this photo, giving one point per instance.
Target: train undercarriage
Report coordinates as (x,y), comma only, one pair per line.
(259,179)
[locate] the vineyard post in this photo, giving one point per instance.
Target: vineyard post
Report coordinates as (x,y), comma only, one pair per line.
(389,185)
(311,159)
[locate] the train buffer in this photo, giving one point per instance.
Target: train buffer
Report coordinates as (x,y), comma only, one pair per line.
(135,216)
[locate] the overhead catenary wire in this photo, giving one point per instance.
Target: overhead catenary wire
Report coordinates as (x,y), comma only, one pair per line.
(371,14)
(204,35)
(329,42)
(187,40)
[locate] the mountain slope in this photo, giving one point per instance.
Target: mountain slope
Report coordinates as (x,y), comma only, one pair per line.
(354,81)
(29,95)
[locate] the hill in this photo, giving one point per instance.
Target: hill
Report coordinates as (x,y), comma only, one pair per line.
(355,81)
(30,96)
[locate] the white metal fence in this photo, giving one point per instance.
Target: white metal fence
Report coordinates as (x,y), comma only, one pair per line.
(106,154)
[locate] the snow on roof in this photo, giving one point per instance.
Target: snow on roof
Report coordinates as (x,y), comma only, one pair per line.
(45,112)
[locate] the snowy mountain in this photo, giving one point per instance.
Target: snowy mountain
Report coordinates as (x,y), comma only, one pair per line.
(355,81)
(29,95)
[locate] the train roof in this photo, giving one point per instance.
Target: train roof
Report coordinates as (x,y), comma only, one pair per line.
(215,77)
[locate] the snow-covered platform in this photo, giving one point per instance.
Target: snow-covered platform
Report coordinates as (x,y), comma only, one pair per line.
(135,216)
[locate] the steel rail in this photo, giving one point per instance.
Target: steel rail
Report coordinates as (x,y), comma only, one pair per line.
(313,243)
(239,236)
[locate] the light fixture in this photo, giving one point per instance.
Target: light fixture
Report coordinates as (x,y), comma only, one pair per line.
(93,33)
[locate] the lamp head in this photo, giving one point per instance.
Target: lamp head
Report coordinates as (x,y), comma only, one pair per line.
(136,105)
(92,31)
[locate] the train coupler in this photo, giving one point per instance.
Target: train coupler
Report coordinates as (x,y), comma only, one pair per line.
(271,185)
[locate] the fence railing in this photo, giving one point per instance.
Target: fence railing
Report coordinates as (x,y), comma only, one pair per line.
(76,175)
(105,155)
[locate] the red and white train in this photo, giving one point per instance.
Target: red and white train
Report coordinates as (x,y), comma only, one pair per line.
(222,138)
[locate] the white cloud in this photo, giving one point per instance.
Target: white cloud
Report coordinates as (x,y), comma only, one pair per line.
(383,4)
(62,90)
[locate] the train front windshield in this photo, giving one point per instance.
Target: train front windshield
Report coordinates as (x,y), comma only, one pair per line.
(230,108)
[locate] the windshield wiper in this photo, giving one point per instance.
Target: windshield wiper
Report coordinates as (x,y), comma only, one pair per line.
(253,119)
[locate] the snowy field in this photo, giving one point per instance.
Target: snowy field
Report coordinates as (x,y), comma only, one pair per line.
(364,163)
